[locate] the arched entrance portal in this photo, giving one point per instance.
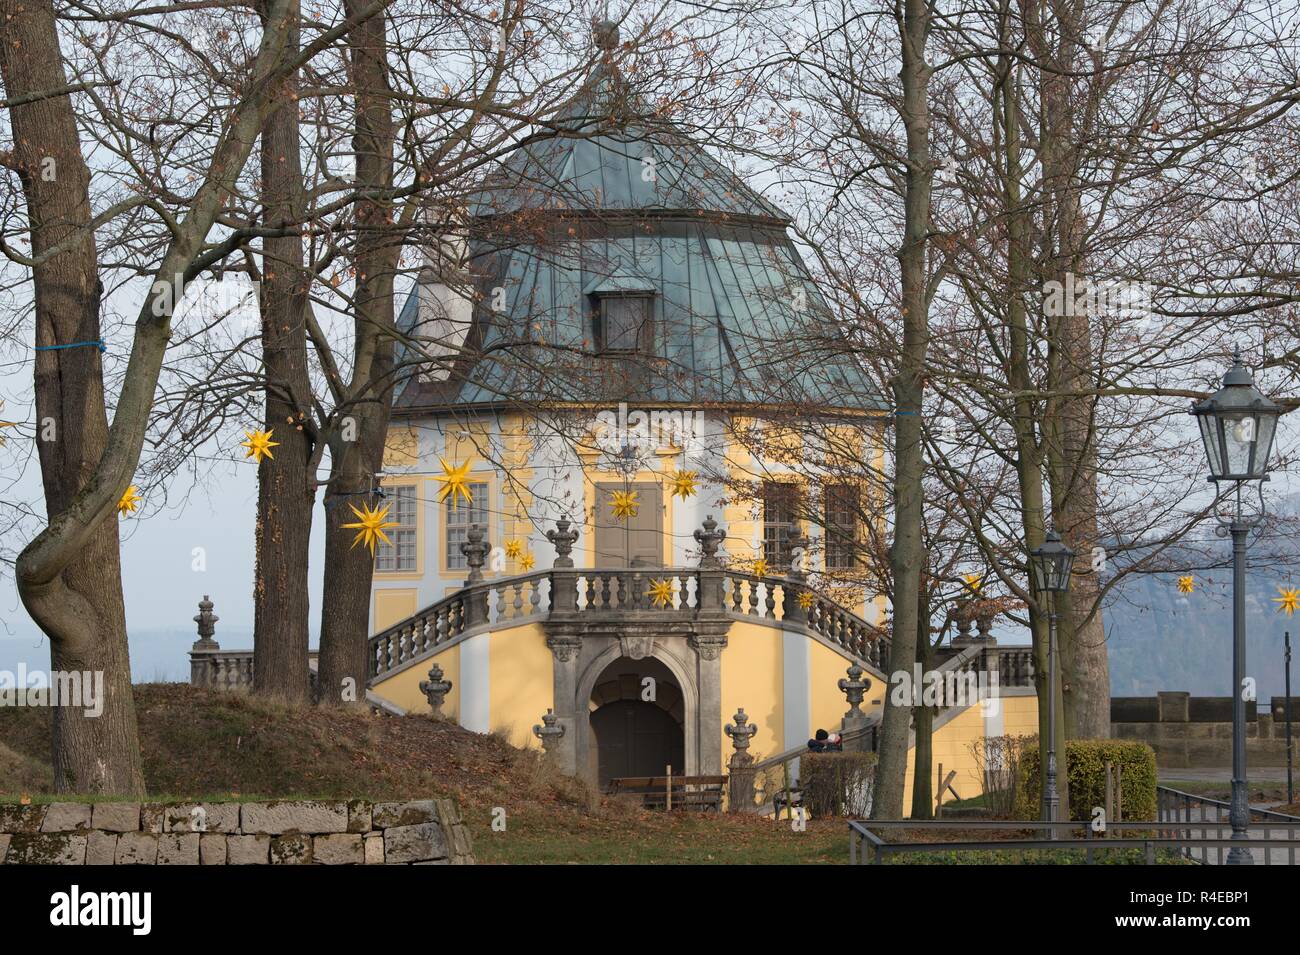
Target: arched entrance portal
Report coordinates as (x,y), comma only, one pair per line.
(637,713)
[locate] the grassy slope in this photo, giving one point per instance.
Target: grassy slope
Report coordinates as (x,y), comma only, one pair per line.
(222,745)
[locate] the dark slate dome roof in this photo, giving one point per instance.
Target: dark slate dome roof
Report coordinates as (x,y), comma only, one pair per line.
(737,318)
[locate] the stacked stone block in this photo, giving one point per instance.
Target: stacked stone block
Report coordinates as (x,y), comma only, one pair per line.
(291,832)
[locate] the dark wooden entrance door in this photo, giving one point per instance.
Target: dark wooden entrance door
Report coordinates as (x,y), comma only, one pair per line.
(634,738)
(636,542)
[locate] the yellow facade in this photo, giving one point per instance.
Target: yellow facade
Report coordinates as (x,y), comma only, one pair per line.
(752,678)
(522,682)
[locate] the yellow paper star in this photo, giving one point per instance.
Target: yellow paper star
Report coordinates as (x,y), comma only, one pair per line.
(129,503)
(455,482)
(514,548)
(625,504)
(1289,602)
(5,424)
(760,567)
(973,582)
(806,599)
(527,561)
(661,592)
(683,484)
(370,525)
(259,444)
(1186,585)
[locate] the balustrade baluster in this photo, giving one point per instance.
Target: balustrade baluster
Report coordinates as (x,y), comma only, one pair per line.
(519,598)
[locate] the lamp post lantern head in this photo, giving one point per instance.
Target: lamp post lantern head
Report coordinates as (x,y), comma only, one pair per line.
(1237,425)
(1052,563)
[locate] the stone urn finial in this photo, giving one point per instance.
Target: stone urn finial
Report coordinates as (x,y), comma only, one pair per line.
(563,538)
(435,689)
(855,690)
(709,539)
(207,621)
(550,733)
(741,732)
(800,543)
(475,548)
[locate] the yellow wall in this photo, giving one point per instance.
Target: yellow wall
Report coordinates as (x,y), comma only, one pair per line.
(404,688)
(953,741)
(826,667)
(522,681)
(1020,715)
(751,678)
(392,606)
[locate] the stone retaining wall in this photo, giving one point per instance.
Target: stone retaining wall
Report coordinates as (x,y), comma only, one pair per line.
(421,832)
(1190,732)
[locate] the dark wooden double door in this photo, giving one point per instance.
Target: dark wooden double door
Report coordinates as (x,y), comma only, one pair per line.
(635,738)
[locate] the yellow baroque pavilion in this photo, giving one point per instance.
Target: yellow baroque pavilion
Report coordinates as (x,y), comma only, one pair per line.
(615,530)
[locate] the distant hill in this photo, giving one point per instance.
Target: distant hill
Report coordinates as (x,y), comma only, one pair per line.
(1160,639)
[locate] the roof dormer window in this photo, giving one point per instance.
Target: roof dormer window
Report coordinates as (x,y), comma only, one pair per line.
(625,324)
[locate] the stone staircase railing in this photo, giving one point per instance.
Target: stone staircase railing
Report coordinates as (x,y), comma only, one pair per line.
(646,592)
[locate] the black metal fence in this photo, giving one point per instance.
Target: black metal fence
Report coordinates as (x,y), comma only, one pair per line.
(1200,813)
(1167,839)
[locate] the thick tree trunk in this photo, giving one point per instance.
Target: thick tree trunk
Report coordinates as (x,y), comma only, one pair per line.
(923,718)
(67,575)
(286,490)
(87,629)
(348,570)
(1029,456)
(907,555)
(1072,450)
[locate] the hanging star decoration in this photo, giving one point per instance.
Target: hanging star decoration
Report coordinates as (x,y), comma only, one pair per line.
(661,592)
(1289,602)
(370,525)
(455,482)
(974,583)
(527,561)
(129,503)
(1187,584)
(259,444)
(514,548)
(683,484)
(625,504)
(760,567)
(5,424)
(806,599)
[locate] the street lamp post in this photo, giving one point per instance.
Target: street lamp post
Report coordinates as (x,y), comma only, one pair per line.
(1237,426)
(1052,563)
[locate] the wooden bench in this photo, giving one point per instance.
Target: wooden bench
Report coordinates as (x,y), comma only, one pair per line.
(687,792)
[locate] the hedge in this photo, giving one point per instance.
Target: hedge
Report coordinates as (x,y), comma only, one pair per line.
(1086,762)
(837,784)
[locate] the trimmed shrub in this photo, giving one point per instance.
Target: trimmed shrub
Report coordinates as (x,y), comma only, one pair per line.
(837,784)
(1086,762)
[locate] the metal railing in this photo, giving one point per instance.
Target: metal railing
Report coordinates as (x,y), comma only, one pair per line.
(868,844)
(1193,811)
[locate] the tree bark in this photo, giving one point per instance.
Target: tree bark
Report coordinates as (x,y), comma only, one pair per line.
(87,633)
(923,717)
(907,555)
(79,608)
(344,667)
(285,482)
(1072,451)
